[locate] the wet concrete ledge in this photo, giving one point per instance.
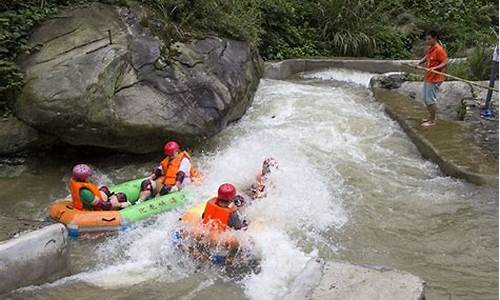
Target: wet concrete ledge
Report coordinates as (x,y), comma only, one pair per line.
(284,69)
(343,280)
(450,144)
(34,258)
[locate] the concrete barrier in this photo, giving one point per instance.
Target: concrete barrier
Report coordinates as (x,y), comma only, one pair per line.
(346,281)
(284,69)
(449,144)
(34,258)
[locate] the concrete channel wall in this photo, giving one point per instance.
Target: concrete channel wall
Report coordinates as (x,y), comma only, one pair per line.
(284,69)
(34,258)
(449,144)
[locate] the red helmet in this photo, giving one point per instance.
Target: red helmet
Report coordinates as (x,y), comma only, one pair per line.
(226,192)
(170,148)
(82,172)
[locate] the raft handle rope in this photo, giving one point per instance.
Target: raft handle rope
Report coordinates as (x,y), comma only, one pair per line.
(108,220)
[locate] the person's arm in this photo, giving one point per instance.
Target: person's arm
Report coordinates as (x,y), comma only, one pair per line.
(420,62)
(156,173)
(235,221)
(184,170)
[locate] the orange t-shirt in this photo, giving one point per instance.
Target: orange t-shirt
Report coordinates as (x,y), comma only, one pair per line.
(436,55)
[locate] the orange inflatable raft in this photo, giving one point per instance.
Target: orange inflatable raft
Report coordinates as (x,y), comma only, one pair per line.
(192,227)
(228,248)
(97,221)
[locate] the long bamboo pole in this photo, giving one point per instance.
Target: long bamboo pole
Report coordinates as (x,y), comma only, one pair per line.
(454,77)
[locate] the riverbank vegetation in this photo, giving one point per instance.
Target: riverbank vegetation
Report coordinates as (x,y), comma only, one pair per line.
(282,29)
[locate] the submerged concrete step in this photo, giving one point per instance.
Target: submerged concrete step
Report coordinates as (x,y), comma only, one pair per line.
(346,281)
(450,144)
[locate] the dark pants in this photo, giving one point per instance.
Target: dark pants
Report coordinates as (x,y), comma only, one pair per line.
(493,78)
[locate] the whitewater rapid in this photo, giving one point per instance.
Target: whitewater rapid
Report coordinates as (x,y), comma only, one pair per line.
(344,167)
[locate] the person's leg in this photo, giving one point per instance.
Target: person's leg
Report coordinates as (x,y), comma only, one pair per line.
(118,201)
(165,189)
(431,104)
(425,95)
(147,190)
(493,78)
(432,112)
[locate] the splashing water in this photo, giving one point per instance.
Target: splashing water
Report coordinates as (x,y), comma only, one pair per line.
(350,185)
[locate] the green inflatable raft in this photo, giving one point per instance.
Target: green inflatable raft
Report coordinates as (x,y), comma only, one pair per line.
(81,221)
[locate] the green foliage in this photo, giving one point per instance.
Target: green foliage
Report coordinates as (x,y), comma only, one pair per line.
(459,69)
(476,67)
(283,29)
(239,19)
(392,44)
(479,63)
(14,28)
(286,31)
(345,26)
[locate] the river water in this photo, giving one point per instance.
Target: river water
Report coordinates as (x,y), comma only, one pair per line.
(350,186)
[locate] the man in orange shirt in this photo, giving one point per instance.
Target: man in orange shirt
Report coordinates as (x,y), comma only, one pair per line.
(435,59)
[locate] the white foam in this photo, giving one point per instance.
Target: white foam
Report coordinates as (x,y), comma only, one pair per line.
(345,75)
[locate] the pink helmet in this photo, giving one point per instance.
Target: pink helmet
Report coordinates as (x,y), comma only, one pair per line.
(82,172)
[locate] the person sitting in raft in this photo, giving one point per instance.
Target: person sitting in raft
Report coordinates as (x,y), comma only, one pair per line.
(218,212)
(86,195)
(174,171)
(257,190)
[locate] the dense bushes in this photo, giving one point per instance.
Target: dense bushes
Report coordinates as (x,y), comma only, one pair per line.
(476,67)
(301,28)
(239,19)
(284,28)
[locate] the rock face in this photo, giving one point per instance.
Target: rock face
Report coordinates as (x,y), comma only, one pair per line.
(16,136)
(392,80)
(124,93)
(346,281)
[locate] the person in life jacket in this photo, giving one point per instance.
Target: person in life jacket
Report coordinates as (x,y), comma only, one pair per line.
(257,190)
(218,211)
(86,195)
(174,172)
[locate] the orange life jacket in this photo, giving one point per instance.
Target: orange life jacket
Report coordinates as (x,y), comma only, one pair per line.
(75,187)
(218,216)
(171,167)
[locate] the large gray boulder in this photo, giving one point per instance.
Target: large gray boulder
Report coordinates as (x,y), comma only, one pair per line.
(131,92)
(16,136)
